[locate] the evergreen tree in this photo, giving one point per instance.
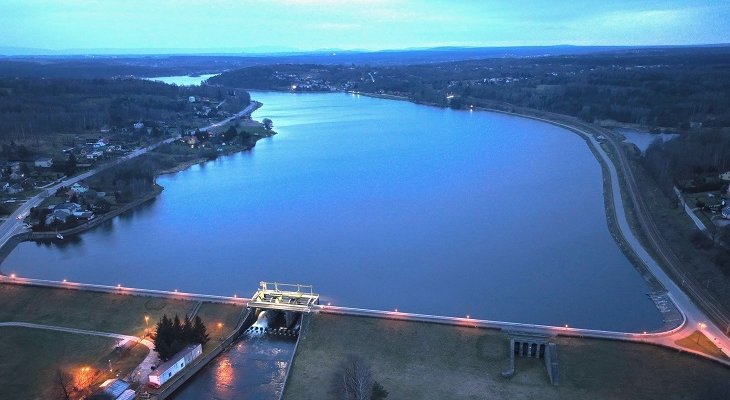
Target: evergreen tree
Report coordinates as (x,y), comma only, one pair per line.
(163,338)
(172,335)
(200,334)
(187,330)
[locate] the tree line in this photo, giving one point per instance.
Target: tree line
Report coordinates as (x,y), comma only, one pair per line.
(172,335)
(670,88)
(32,108)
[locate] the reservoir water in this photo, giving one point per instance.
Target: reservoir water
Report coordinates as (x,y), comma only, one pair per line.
(379,204)
(182,80)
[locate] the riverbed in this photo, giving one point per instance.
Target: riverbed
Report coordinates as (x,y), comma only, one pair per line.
(379,204)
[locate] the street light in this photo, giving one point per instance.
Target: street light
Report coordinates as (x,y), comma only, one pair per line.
(147,324)
(701,325)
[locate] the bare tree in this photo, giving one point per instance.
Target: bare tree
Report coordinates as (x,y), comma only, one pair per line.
(64,385)
(354,381)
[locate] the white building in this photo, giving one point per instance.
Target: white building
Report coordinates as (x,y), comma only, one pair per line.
(167,370)
(79,187)
(44,162)
(725,176)
(117,389)
(191,99)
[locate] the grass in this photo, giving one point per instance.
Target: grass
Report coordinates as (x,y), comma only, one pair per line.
(31,358)
(106,312)
(697,341)
(427,361)
(214,314)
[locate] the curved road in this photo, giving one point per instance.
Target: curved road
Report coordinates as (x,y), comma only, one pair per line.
(693,317)
(14,224)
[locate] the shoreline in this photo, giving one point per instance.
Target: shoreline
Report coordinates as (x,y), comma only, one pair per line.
(7,247)
(608,201)
(610,211)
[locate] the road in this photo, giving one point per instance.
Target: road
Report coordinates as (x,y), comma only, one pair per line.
(253,106)
(14,224)
(695,317)
(139,373)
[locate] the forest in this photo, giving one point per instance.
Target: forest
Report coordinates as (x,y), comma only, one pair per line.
(676,88)
(31,108)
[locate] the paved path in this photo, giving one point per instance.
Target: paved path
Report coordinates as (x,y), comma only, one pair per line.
(695,318)
(14,224)
(140,373)
(122,338)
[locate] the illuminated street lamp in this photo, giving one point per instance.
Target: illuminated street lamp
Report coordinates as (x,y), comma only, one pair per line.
(147,324)
(701,325)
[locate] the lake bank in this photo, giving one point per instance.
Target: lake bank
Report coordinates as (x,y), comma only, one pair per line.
(443,209)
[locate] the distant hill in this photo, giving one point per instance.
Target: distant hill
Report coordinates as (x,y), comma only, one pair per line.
(27,62)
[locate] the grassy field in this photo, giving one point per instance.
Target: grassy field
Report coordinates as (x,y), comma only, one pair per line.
(104,312)
(697,341)
(427,361)
(31,358)
(28,354)
(220,319)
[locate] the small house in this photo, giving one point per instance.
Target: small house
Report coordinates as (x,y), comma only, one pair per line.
(191,99)
(138,125)
(15,188)
(726,212)
(117,389)
(79,187)
(167,370)
(725,176)
(71,207)
(85,215)
(44,162)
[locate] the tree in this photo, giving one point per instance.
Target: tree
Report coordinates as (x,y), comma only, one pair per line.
(229,134)
(268,124)
(199,332)
(70,167)
(64,385)
(354,380)
(187,330)
(379,392)
(163,338)
(200,135)
(172,335)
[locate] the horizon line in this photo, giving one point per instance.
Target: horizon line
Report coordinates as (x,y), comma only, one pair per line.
(15,51)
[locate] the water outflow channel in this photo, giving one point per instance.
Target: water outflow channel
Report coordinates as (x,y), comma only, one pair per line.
(253,368)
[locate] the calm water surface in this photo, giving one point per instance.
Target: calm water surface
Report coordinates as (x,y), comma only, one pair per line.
(183,80)
(379,204)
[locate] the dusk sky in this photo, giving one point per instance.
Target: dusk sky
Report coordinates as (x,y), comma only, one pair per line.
(266,25)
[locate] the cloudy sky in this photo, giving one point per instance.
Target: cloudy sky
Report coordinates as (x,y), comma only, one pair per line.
(356,24)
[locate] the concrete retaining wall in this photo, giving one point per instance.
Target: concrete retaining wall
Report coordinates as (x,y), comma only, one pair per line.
(201,362)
